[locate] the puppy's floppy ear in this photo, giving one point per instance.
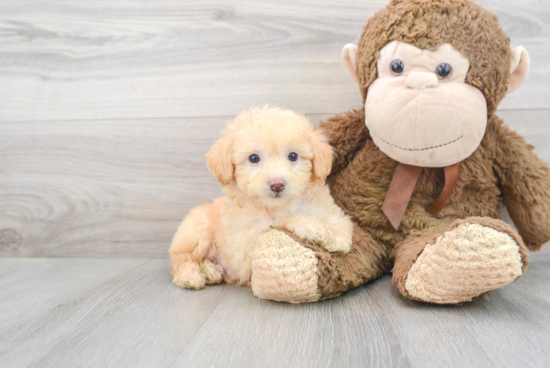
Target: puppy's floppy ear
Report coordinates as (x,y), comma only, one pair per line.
(322,156)
(218,160)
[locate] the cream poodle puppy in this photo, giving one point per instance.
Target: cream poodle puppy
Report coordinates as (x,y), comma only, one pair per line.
(273,165)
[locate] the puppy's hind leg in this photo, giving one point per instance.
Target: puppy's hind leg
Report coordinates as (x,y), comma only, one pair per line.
(190,246)
(186,273)
(213,273)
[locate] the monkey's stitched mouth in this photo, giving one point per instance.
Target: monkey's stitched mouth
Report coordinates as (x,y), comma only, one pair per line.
(421,149)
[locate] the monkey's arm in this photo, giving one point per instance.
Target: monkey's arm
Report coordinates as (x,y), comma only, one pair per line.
(347,134)
(525,181)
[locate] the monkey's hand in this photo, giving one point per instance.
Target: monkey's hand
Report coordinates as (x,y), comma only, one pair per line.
(525,181)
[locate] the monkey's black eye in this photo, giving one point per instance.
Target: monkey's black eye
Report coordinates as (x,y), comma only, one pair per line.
(254,158)
(293,156)
(443,71)
(397,67)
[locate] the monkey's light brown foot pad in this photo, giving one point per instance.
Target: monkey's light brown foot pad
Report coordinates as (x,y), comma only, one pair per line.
(464,263)
(283,270)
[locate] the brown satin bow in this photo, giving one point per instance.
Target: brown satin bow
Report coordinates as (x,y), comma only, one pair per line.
(402,186)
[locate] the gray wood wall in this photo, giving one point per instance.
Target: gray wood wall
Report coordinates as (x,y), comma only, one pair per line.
(108,107)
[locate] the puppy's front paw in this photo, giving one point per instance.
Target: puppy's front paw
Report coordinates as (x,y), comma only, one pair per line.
(308,229)
(188,275)
(339,244)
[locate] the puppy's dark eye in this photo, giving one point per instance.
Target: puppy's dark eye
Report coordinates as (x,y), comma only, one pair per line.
(443,71)
(254,158)
(292,156)
(397,67)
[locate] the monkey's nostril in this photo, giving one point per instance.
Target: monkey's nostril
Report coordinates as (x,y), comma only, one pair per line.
(277,185)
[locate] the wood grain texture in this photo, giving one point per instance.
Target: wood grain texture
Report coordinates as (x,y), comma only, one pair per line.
(68,60)
(121,187)
(126,313)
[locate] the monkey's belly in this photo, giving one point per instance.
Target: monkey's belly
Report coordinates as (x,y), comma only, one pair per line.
(361,187)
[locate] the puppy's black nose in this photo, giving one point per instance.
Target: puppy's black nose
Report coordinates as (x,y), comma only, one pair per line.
(277,185)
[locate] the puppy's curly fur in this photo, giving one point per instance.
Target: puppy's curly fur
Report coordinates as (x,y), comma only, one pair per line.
(273,165)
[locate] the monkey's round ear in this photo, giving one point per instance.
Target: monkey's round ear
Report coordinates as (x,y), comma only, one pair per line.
(519,68)
(349,54)
(218,160)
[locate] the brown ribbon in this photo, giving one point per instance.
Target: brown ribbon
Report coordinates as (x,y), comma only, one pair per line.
(451,176)
(402,186)
(400,192)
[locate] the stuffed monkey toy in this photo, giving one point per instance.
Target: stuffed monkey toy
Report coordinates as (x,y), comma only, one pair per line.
(424,167)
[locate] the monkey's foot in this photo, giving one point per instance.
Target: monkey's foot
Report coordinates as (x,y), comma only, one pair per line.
(471,259)
(284,270)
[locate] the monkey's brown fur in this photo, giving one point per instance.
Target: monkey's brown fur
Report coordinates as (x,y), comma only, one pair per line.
(503,169)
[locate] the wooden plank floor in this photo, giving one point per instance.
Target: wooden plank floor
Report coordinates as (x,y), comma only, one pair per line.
(106,111)
(126,313)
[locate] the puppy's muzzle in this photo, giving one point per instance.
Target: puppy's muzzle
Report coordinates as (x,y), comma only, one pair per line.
(277,185)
